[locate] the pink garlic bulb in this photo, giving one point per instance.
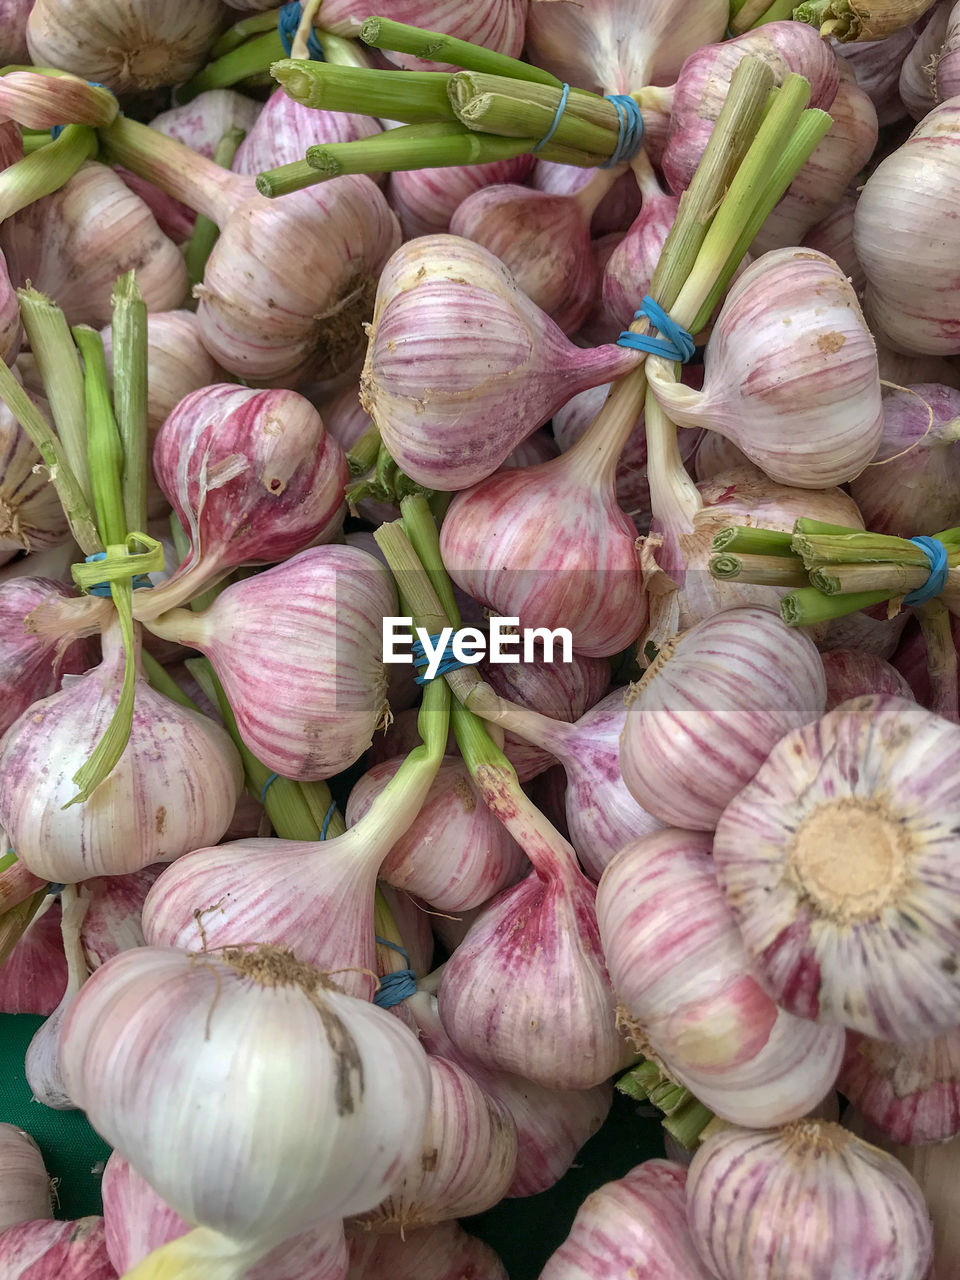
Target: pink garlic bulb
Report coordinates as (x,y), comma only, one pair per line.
(876,65)
(31,665)
(149,809)
(868,631)
(253,478)
(552,1124)
(715,455)
(137,1221)
(456,854)
(543,240)
(688,993)
(710,708)
(920,84)
(852,674)
(640,1217)
(802,400)
(903,369)
(13,31)
(41,1062)
(31,517)
(833,236)
(147,46)
(910,660)
(34,975)
(25,1195)
(911,485)
(298,650)
(10,333)
(948,61)
(443,1252)
(627,276)
(612,48)
(285,129)
(835,162)
(904,231)
(702,85)
(467,1160)
(112,922)
(910,1092)
(497,24)
(616,210)
(74,244)
(413,921)
(866,940)
(48,1250)
(426,199)
(462,366)
(585,575)
(814,1201)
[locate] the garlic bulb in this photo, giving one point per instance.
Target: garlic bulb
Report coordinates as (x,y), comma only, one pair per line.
(640,1217)
(812,1200)
(456,854)
(34,975)
(426,199)
(911,485)
(911,1092)
(174,787)
(344,1114)
(619,206)
(128,45)
(136,1221)
(833,236)
(298,650)
(716,455)
(443,1252)
(41,1065)
(253,478)
(467,1158)
(59,1250)
(498,24)
(801,399)
(10,332)
(948,61)
(31,516)
(868,631)
(710,708)
(112,921)
(903,233)
(627,275)
(13,26)
(25,1195)
(920,85)
(837,861)
(851,674)
(31,665)
(688,994)
(74,244)
(461,366)
(285,129)
(877,65)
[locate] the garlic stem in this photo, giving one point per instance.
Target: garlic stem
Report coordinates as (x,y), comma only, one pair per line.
(589,196)
(104,450)
(675,500)
(239,63)
(399,37)
(414,97)
(202,1254)
(129,332)
(15,922)
(436,145)
(941,659)
(596,454)
(252,25)
(650,188)
(205,232)
(46,170)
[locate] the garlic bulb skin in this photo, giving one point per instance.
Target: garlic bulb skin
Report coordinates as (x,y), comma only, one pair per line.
(174,787)
(13,25)
(60,1250)
(921,85)
(10,332)
(31,517)
(688,993)
(497,25)
(24,1182)
(41,1062)
(344,1114)
(637,1221)
(112,921)
(34,975)
(467,1159)
(284,129)
(851,673)
(128,45)
(30,666)
(838,861)
(791,373)
(910,1092)
(833,236)
(426,199)
(443,1252)
(812,1200)
(710,708)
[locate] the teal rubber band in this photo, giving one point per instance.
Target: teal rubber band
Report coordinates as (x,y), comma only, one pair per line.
(630,137)
(675,343)
(395,987)
(556,119)
(447,661)
(269,783)
(936,554)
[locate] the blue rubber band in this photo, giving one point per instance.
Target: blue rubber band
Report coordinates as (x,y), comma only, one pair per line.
(630,137)
(102,589)
(936,554)
(675,342)
(562,106)
(447,661)
(395,987)
(55,889)
(288,20)
(57,129)
(269,783)
(326,821)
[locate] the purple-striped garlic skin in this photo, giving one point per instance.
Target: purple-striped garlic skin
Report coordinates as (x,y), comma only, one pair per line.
(137,1221)
(457,853)
(467,1162)
(13,31)
(112,922)
(616,210)
(462,366)
(426,199)
(833,235)
(25,1194)
(921,86)
(503,544)
(790,373)
(911,485)
(10,332)
(841,863)
(544,242)
(442,1252)
(298,649)
(30,666)
(53,1250)
(285,128)
(552,1124)
(948,62)
(868,631)
(702,85)
(496,24)
(34,976)
(807,1200)
(627,276)
(636,1224)
(687,989)
(31,517)
(911,1092)
(716,455)
(174,787)
(710,708)
(876,65)
(851,673)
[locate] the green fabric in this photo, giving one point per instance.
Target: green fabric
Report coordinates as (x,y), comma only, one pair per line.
(524,1232)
